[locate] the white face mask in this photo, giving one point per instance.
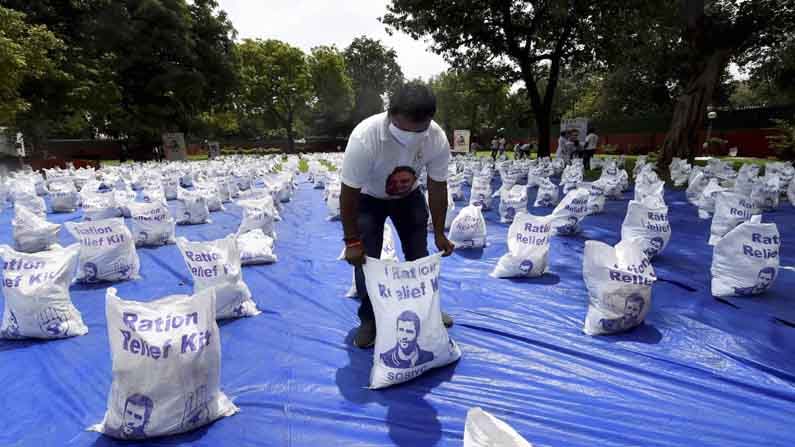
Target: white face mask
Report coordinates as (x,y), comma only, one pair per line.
(404,137)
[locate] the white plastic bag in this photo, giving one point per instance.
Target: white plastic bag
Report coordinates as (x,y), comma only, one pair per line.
(36,290)
(528,248)
(570,211)
(255,247)
(31,232)
(731,209)
(484,430)
(647,223)
(454,186)
(99,206)
(766,193)
(166,357)
(696,186)
(152,224)
(191,208)
(333,200)
(548,195)
(32,202)
(216,265)
(619,281)
(210,191)
(468,229)
(745,262)
(107,251)
(64,197)
(480,194)
(512,202)
(258,213)
(596,197)
(706,205)
(411,338)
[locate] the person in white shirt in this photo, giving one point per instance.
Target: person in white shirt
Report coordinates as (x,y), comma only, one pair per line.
(591,142)
(385,155)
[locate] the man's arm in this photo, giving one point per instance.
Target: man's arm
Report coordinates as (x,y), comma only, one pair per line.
(437,201)
(349,213)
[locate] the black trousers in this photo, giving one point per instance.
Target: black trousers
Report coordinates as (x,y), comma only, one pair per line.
(410,217)
(586,158)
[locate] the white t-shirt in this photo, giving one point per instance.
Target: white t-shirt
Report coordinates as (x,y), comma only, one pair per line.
(590,141)
(373,154)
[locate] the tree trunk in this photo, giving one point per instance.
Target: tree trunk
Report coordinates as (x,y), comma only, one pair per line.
(689,112)
(543,124)
(290,133)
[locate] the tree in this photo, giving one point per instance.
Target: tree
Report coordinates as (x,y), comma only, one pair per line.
(374,71)
(26,52)
(714,33)
(333,89)
(469,99)
(530,41)
(275,83)
(129,68)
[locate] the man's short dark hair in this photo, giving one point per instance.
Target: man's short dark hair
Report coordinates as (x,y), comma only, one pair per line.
(408,315)
(413,100)
(141,401)
(768,270)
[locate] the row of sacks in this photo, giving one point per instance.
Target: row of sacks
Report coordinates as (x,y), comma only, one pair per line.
(763,193)
(36,285)
(151,223)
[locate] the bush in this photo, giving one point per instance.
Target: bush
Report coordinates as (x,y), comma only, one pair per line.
(783,143)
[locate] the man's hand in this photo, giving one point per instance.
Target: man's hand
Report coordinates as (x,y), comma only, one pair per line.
(354,255)
(444,245)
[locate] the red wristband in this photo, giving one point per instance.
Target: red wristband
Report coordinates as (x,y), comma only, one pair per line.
(353,244)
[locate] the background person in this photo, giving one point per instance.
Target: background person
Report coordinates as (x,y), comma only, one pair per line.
(591,142)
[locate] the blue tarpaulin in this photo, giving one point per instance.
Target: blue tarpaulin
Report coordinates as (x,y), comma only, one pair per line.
(700,371)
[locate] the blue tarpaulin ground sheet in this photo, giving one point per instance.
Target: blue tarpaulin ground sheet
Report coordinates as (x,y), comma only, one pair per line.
(700,371)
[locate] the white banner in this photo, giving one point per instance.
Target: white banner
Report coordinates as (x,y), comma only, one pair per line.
(174,146)
(461,141)
(579,124)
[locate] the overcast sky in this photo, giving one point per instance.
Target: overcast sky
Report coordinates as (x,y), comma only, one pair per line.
(309,23)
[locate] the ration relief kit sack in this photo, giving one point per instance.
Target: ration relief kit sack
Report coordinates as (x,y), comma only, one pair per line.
(484,430)
(31,232)
(333,200)
(731,209)
(411,338)
(745,262)
(216,265)
(512,201)
(255,248)
(448,217)
(647,223)
(192,208)
(480,194)
(166,357)
(619,281)
(766,193)
(258,214)
(388,253)
(528,248)
(64,197)
(706,204)
(468,229)
(107,251)
(36,291)
(570,211)
(548,195)
(99,206)
(152,224)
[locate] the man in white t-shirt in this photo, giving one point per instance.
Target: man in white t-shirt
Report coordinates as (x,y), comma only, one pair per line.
(385,155)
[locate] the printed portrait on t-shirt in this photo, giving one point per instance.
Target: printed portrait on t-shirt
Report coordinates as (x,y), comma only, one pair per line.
(400,181)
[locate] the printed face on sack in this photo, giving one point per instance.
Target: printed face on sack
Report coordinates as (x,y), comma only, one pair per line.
(526,266)
(137,411)
(90,271)
(765,278)
(407,353)
(400,181)
(655,248)
(634,307)
(407,335)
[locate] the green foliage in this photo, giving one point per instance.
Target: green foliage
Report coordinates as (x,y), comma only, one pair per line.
(275,82)
(784,142)
(374,72)
(26,52)
(469,100)
(333,89)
